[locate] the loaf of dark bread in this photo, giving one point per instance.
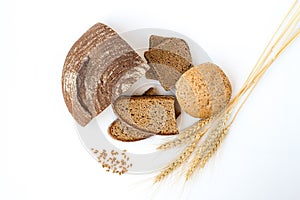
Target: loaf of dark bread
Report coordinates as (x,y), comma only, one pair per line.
(96,68)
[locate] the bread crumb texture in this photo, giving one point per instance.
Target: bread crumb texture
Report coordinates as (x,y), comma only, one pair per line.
(154,114)
(123,132)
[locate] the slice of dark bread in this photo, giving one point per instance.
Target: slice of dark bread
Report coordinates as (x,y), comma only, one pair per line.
(168,66)
(154,41)
(177,46)
(153,114)
(121,131)
(168,58)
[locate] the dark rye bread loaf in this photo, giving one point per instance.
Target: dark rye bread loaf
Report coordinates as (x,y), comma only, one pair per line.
(153,114)
(93,70)
(168,58)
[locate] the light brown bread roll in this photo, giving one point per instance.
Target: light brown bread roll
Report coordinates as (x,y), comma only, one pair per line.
(203,90)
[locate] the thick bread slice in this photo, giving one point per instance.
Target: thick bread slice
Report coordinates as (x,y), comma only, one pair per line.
(154,114)
(154,41)
(121,131)
(177,46)
(167,65)
(99,59)
(167,69)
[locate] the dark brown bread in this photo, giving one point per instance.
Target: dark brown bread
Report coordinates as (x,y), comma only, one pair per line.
(150,91)
(153,114)
(168,58)
(121,131)
(93,67)
(154,41)
(168,66)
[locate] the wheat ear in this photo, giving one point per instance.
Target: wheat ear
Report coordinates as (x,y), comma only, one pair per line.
(187,136)
(183,156)
(208,144)
(206,151)
(287,33)
(263,63)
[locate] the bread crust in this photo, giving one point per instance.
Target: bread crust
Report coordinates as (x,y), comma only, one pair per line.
(168,58)
(203,91)
(98,50)
(122,132)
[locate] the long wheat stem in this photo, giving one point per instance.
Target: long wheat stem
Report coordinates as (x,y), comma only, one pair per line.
(217,128)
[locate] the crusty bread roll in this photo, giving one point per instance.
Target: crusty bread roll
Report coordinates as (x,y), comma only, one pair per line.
(96,68)
(203,90)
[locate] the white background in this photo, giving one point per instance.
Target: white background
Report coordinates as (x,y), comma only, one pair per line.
(41,154)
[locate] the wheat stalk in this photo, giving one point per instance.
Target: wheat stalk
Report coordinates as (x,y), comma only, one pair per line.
(204,152)
(208,144)
(217,128)
(183,156)
(187,135)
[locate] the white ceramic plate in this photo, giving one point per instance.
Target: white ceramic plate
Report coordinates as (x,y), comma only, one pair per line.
(140,156)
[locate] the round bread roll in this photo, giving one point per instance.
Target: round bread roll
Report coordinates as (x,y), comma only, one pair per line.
(203,90)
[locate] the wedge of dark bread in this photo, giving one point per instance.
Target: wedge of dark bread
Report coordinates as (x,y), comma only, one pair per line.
(168,58)
(152,114)
(96,68)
